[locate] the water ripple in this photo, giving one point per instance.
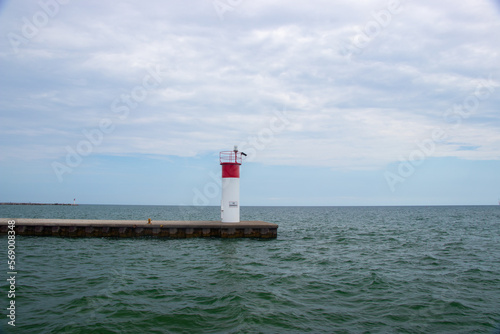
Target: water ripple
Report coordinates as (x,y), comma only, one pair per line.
(342,270)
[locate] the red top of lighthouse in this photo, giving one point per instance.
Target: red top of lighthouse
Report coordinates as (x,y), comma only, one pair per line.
(231,161)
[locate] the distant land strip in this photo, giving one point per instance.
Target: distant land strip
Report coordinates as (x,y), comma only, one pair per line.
(38,204)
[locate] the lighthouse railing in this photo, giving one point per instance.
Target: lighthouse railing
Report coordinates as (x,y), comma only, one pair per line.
(230,157)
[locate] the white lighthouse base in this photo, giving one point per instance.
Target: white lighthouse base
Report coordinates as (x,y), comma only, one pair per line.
(230,205)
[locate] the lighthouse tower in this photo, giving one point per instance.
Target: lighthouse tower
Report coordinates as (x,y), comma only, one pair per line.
(230,203)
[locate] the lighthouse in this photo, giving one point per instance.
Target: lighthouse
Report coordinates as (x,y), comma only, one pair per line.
(230,202)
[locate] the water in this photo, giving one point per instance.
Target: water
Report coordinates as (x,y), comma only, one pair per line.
(331,270)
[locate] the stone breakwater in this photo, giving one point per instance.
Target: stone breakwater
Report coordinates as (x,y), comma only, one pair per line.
(139,228)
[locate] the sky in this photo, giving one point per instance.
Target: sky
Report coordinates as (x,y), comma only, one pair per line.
(335,102)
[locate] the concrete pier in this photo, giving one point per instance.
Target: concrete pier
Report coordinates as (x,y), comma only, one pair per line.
(139,228)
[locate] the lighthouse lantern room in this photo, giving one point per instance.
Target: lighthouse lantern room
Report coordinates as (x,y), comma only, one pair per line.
(230,202)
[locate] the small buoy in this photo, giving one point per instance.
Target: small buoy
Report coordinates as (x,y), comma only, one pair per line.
(149,220)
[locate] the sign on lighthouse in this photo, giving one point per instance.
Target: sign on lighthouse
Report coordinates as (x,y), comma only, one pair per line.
(230,202)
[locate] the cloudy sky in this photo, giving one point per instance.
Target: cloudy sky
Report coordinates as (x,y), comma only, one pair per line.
(335,102)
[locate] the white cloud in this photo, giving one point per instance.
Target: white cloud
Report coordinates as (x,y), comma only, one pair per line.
(223,79)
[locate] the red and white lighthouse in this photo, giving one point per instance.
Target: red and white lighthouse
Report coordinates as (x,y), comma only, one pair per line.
(230,203)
